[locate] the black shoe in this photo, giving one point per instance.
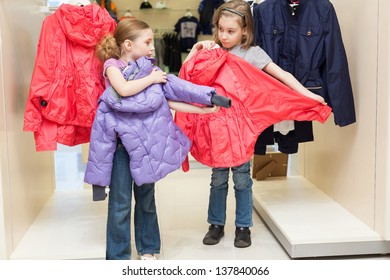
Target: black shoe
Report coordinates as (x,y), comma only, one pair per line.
(214,235)
(243,237)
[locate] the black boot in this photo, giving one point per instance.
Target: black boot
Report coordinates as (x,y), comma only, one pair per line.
(243,237)
(214,235)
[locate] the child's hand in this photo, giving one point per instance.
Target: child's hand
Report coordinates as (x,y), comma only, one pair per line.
(157,76)
(320,99)
(206,45)
(201,45)
(209,110)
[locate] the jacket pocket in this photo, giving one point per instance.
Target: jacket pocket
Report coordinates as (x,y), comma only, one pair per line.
(274,30)
(274,39)
(310,36)
(310,31)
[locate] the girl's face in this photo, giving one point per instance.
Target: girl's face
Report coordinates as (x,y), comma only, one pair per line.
(143,45)
(230,31)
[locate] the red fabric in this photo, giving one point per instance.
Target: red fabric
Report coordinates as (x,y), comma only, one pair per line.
(227,138)
(67,76)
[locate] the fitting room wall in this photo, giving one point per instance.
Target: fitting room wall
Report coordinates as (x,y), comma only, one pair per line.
(384,89)
(382,187)
(350,163)
(27,177)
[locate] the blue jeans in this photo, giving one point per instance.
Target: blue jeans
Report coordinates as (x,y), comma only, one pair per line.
(243,193)
(147,233)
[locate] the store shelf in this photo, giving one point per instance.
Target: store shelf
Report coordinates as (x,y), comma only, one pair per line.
(308,223)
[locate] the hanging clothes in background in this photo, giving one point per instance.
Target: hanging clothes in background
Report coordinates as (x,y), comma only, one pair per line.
(172,53)
(304,38)
(161,5)
(67,78)
(159,46)
(188,28)
(127,15)
(145,5)
(254,3)
(110,7)
(206,10)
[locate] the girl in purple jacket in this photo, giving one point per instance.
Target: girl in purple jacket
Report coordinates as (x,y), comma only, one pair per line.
(134,121)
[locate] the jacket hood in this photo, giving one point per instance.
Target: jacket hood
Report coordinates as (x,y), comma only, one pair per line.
(84,25)
(144,64)
(204,67)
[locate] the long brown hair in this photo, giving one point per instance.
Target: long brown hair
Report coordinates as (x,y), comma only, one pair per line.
(127,29)
(244,16)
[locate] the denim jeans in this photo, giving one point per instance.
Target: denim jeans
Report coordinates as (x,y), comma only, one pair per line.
(147,233)
(243,193)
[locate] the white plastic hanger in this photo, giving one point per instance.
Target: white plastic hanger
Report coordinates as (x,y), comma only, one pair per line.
(79,2)
(188,13)
(128,13)
(294,5)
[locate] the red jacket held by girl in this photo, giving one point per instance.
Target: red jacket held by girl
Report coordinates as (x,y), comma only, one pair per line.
(227,138)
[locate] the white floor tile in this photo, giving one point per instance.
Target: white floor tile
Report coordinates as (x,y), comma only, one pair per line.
(70,226)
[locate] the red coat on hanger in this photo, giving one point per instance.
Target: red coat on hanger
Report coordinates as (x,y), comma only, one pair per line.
(67,79)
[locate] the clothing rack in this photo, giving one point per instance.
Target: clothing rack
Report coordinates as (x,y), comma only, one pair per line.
(167,49)
(158,32)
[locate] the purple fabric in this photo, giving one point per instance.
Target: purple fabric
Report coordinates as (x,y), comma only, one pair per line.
(144,123)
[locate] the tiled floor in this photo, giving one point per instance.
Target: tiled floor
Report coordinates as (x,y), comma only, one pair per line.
(72,226)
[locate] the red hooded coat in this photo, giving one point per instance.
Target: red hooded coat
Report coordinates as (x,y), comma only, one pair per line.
(67,79)
(227,138)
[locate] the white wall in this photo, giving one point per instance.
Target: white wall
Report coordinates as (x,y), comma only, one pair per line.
(3,169)
(27,177)
(349,163)
(383,138)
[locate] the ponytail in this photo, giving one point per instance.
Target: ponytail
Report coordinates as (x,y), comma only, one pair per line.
(107,48)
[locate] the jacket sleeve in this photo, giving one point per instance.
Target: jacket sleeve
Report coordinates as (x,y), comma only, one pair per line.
(258,28)
(102,148)
(336,73)
(40,80)
(177,89)
(146,101)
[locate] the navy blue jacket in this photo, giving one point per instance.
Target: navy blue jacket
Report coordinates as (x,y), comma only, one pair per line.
(307,43)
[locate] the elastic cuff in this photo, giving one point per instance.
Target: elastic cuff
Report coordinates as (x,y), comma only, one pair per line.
(99,193)
(220,100)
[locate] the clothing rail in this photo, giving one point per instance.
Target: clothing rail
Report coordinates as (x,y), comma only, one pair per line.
(158,32)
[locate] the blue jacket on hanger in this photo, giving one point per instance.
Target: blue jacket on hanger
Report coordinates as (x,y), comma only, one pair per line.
(206,10)
(306,41)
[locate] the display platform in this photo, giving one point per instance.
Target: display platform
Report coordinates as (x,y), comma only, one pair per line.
(308,223)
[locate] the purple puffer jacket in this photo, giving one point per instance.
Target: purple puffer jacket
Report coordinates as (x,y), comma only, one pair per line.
(144,123)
